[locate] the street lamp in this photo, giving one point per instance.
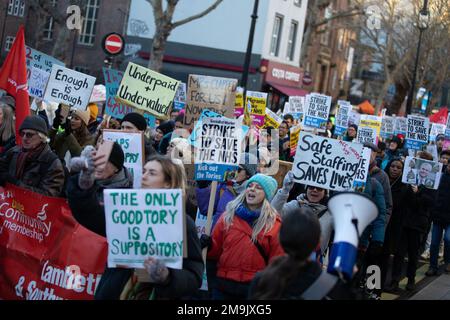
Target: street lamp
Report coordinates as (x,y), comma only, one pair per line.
(248,53)
(424,19)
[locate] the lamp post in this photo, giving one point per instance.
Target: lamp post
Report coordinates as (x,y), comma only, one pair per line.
(248,53)
(422,25)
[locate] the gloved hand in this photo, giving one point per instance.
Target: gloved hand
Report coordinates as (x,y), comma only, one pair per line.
(157,270)
(67,127)
(205,241)
(86,178)
(57,120)
(288,182)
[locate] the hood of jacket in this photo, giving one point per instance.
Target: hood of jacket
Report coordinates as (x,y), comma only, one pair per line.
(122,179)
(316,207)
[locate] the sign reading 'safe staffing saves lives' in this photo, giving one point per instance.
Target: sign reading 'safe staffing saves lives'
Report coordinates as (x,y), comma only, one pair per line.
(147,90)
(69,87)
(144,223)
(219,148)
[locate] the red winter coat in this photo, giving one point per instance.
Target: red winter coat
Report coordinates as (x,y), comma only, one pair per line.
(238,257)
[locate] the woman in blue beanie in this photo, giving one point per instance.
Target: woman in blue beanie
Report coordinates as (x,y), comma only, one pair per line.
(245,238)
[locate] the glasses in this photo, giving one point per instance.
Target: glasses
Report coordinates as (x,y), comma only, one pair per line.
(316,188)
(27,135)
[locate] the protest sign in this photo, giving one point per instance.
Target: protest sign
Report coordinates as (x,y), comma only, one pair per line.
(422,172)
(200,223)
(219,148)
(329,163)
(44,253)
(69,87)
(401,126)
(296,104)
(144,223)
(353,117)
(239,102)
(317,110)
(293,139)
(342,117)
(272,119)
(179,101)
(368,129)
(37,82)
(436,128)
(447,127)
(387,127)
(417,134)
(40,60)
(98,93)
(132,144)
(147,90)
(114,107)
(257,102)
(215,94)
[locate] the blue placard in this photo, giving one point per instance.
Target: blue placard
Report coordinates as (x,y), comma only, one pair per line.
(414,144)
(315,122)
(339,131)
(213,172)
(447,133)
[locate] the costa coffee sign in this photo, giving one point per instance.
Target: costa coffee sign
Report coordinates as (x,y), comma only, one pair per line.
(282,74)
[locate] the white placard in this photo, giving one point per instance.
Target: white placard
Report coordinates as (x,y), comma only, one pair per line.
(422,172)
(37,82)
(417,132)
(317,110)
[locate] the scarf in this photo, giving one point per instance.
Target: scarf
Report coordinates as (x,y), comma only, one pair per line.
(26,156)
(247,215)
(239,188)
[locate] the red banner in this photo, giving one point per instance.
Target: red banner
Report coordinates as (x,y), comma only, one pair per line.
(44,253)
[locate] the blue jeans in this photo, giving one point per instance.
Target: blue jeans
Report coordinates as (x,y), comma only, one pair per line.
(436,238)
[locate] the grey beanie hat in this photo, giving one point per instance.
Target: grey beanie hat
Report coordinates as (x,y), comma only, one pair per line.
(34,123)
(249,163)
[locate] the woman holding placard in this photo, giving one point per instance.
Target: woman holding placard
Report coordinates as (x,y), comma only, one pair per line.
(245,238)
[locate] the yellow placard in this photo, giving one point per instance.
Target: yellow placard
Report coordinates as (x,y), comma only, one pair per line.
(372,122)
(293,139)
(147,90)
(256,103)
(272,119)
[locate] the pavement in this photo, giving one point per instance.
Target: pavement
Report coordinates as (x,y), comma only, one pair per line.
(438,289)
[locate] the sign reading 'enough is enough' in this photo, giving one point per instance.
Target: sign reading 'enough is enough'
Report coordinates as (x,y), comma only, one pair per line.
(147,90)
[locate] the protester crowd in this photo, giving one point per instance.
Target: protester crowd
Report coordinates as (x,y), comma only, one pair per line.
(266,242)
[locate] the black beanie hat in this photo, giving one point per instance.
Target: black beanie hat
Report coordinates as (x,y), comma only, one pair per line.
(166,127)
(354,126)
(34,123)
(117,158)
(137,119)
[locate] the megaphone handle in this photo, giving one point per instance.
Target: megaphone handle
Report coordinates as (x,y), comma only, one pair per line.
(355,223)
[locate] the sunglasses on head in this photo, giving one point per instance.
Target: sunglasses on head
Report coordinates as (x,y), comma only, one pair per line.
(28,135)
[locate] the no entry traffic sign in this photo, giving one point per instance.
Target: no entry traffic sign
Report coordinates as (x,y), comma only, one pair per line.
(113,44)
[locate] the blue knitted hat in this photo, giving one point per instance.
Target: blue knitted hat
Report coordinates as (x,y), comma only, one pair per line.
(268,184)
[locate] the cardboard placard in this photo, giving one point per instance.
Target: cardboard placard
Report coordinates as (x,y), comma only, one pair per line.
(329,163)
(422,172)
(213,93)
(69,87)
(132,144)
(144,223)
(147,90)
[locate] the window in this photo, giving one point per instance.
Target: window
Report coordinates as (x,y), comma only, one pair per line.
(9,42)
(298,3)
(48,28)
(292,40)
(341,33)
(87,35)
(16,8)
(276,35)
(324,37)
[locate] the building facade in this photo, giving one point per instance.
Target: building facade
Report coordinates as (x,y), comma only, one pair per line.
(215,44)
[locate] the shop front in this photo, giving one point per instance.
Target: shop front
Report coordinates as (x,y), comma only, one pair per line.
(281,81)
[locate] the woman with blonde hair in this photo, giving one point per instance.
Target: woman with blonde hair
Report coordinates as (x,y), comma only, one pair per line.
(7,128)
(245,238)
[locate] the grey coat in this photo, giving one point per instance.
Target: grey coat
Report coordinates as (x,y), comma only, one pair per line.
(326,220)
(383,179)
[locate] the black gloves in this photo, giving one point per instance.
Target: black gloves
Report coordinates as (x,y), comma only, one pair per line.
(57,120)
(205,241)
(67,127)
(203,184)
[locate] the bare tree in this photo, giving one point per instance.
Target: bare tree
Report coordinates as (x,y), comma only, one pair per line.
(164,26)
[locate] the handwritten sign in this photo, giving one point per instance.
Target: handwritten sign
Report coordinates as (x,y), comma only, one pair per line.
(147,90)
(342,117)
(239,102)
(317,110)
(329,163)
(353,117)
(219,148)
(417,134)
(113,107)
(144,223)
(37,82)
(401,126)
(257,103)
(40,60)
(295,106)
(436,128)
(422,172)
(215,94)
(69,87)
(133,148)
(387,127)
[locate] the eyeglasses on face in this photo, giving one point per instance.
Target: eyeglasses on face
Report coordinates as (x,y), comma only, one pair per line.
(316,188)
(27,134)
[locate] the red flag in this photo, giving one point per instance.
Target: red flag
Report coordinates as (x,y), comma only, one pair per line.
(440,116)
(13,79)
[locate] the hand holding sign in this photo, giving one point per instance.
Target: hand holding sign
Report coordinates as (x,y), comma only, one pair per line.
(157,270)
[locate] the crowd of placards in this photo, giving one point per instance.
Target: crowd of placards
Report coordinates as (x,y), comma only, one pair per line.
(199,190)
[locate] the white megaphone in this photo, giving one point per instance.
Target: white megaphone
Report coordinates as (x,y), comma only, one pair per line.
(352,212)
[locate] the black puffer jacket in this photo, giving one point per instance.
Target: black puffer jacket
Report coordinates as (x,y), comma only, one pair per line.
(441,211)
(417,215)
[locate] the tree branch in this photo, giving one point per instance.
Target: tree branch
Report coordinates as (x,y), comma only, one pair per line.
(197,16)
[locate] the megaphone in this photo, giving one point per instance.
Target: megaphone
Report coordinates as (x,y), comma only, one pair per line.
(352,212)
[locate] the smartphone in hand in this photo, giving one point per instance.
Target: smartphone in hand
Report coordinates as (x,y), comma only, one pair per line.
(104,148)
